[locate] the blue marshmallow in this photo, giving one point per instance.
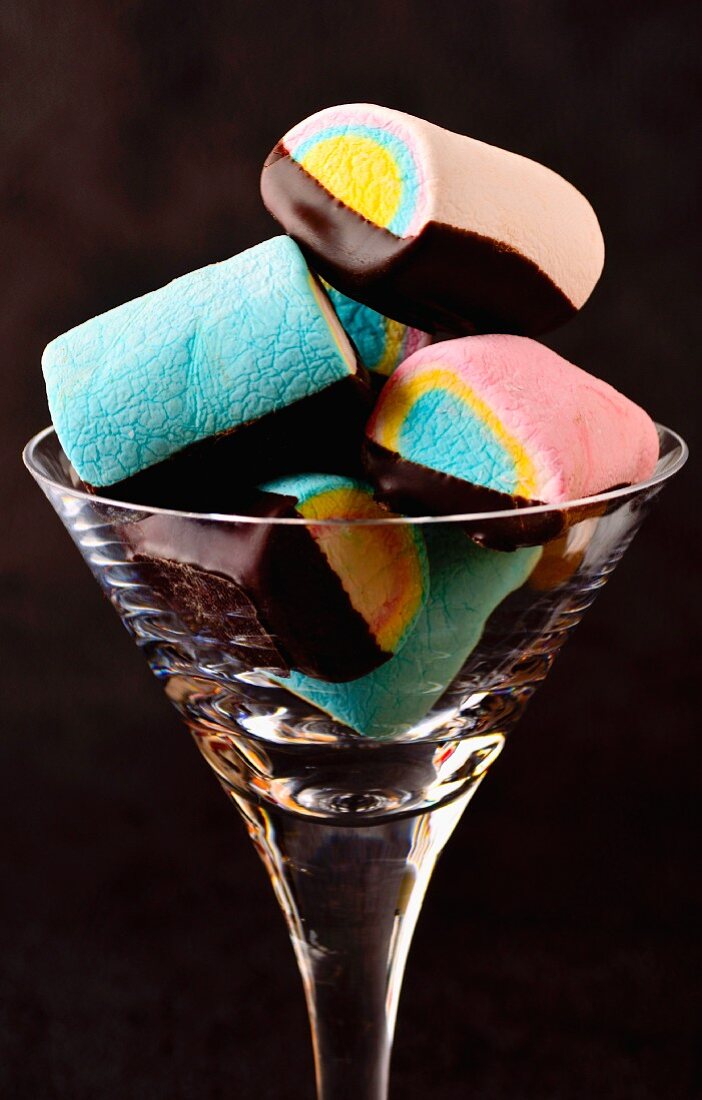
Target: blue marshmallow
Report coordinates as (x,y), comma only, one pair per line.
(381,342)
(211,351)
(466,583)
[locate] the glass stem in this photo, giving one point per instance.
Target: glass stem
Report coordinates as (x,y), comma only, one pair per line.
(351,896)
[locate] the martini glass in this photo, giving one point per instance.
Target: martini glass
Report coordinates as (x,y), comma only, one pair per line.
(350,791)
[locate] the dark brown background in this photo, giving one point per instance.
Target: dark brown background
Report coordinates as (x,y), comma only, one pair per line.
(140,952)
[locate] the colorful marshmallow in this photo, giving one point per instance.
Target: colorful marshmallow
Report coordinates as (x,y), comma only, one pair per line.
(488,422)
(247,353)
(466,584)
(382,343)
(328,599)
(434,229)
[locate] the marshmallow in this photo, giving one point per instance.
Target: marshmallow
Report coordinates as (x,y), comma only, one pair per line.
(333,601)
(247,353)
(434,229)
(382,343)
(466,584)
(489,422)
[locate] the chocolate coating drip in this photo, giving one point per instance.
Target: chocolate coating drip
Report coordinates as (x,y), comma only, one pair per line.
(444,278)
(323,433)
(266,591)
(417,490)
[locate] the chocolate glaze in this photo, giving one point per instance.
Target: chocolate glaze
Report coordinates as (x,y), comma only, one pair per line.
(323,433)
(213,605)
(266,591)
(413,489)
(445,278)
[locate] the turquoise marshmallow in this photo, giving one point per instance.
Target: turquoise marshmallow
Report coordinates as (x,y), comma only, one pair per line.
(209,352)
(466,584)
(382,344)
(441,432)
(304,486)
(364,325)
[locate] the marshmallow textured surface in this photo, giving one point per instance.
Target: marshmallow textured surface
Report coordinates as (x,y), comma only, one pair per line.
(466,584)
(382,343)
(431,227)
(508,414)
(211,351)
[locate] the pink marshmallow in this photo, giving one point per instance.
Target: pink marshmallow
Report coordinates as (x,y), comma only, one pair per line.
(555,433)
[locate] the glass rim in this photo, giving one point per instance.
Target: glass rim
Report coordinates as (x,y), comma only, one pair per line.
(612,495)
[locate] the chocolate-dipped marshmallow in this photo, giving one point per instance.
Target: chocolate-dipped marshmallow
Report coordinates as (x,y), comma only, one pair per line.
(489,422)
(331,600)
(431,228)
(466,584)
(241,370)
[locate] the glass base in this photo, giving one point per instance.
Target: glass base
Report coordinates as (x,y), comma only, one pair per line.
(351,898)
